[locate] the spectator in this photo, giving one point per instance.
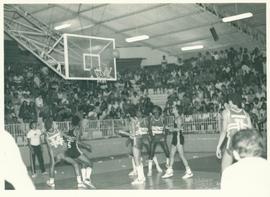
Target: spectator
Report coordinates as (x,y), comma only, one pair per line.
(250,175)
(13,169)
(24,112)
(34,143)
(32,112)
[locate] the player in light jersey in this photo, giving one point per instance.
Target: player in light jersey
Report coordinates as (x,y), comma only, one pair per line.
(158,136)
(177,145)
(73,151)
(135,132)
(234,119)
(57,147)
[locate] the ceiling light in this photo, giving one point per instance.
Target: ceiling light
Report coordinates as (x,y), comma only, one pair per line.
(237,17)
(137,38)
(63,26)
(192,47)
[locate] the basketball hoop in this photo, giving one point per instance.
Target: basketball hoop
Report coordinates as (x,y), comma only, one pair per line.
(101,78)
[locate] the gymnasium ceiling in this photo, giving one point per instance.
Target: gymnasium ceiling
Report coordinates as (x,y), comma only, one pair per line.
(170,26)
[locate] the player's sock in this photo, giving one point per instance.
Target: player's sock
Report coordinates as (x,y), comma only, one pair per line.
(150,163)
(188,170)
(141,178)
(79,179)
(157,164)
(167,162)
(51,180)
(142,171)
(83,171)
(134,171)
(133,164)
(88,172)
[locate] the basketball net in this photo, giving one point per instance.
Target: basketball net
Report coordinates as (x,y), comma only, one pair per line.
(101,78)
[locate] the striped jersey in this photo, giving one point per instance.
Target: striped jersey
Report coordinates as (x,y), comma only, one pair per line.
(56,142)
(157,125)
(237,119)
(138,126)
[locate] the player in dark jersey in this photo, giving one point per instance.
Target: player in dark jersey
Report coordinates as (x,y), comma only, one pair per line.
(158,136)
(177,145)
(234,119)
(74,143)
(57,147)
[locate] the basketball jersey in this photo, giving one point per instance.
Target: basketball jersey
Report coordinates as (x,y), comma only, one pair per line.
(73,150)
(179,121)
(137,127)
(143,126)
(237,120)
(157,125)
(56,142)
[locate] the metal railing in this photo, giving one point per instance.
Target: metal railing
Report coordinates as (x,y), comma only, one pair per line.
(94,129)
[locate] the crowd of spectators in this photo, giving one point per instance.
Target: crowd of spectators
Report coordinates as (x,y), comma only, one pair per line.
(199,84)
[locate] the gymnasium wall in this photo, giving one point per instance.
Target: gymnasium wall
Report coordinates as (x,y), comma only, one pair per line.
(150,56)
(14,54)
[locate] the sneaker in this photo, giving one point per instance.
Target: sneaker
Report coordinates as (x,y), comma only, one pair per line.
(138,181)
(50,183)
(44,173)
(187,175)
(132,173)
(168,174)
(81,186)
(89,183)
(34,175)
(149,173)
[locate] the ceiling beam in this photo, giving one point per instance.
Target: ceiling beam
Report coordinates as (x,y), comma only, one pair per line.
(37,11)
(161,21)
(130,14)
(186,29)
(93,8)
(238,25)
(193,40)
(75,14)
(110,28)
(43,9)
(94,21)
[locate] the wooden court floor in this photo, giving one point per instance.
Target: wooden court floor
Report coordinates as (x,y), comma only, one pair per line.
(206,176)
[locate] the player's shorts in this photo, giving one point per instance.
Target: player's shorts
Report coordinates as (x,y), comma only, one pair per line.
(73,153)
(175,138)
(159,138)
(58,151)
(137,142)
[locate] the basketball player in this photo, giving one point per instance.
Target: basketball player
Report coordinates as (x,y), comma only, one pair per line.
(73,151)
(157,134)
(135,133)
(57,148)
(177,145)
(145,142)
(234,119)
